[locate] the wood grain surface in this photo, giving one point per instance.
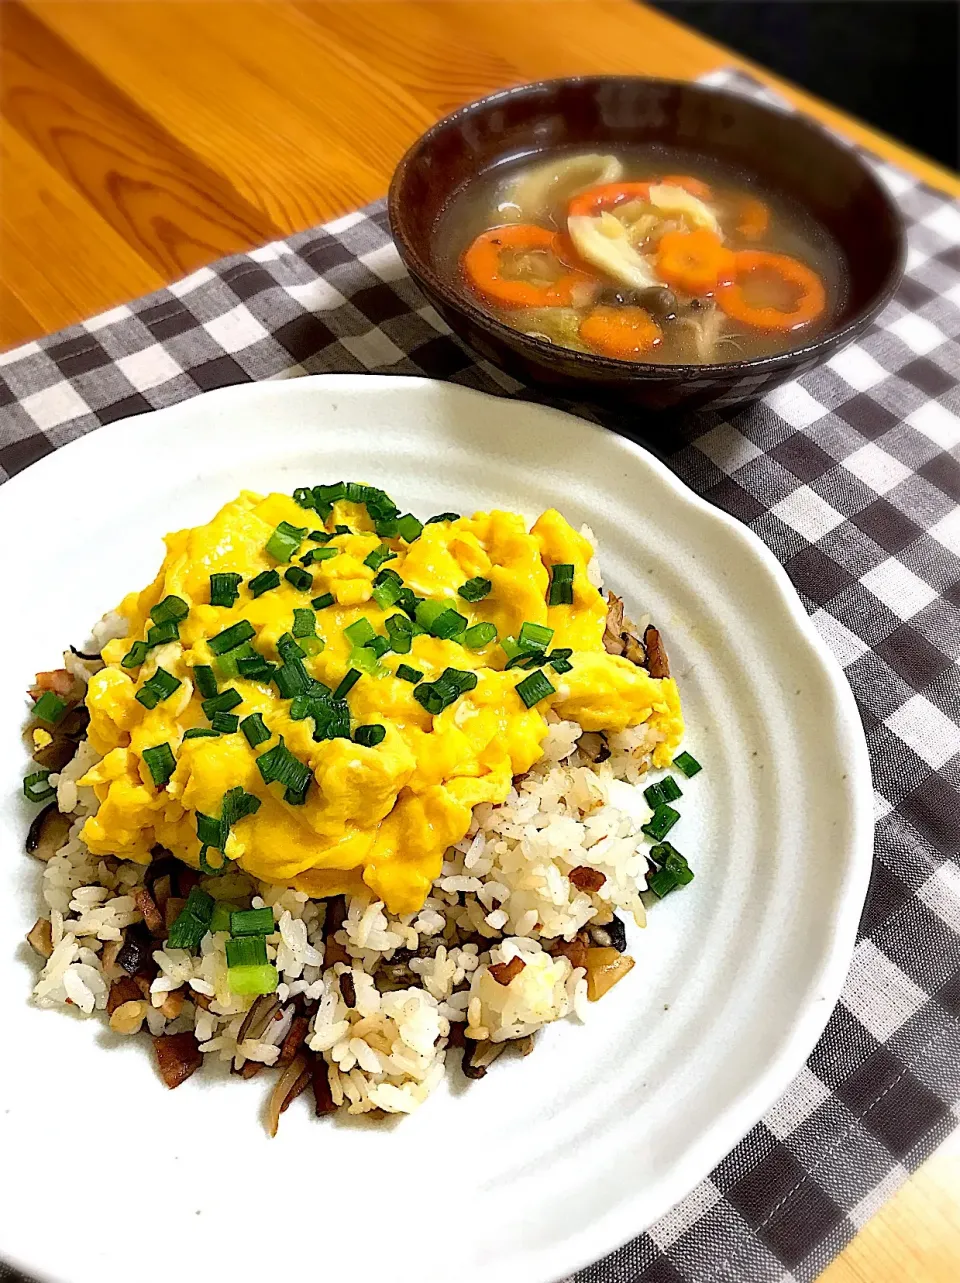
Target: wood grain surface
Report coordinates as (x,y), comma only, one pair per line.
(140,140)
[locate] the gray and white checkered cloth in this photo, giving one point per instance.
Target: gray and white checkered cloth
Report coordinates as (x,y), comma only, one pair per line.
(852,477)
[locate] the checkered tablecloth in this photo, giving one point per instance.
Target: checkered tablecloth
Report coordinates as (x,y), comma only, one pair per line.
(852,477)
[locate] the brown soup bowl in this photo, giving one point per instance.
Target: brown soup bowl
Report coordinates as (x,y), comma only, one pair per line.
(783,151)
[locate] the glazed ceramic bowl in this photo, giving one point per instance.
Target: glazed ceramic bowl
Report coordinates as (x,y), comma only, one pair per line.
(781,150)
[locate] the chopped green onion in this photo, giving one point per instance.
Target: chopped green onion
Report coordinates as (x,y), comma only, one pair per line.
(443,516)
(225,723)
(291,679)
(400,631)
(561,665)
(36,788)
(387,527)
(224,589)
(428,612)
(159,687)
(263,582)
(674,870)
(253,980)
(561,585)
(247,951)
(480,635)
(252,922)
(324,497)
(666,790)
(535,636)
(408,674)
(366,659)
(449,686)
(526,659)
(318,554)
(226,665)
(232,637)
(255,668)
(535,688)
(689,765)
(220,919)
(167,630)
(135,655)
(409,527)
(289,649)
(371,735)
(312,645)
(160,763)
(255,729)
(408,601)
(200,733)
(449,624)
(323,601)
(205,680)
(342,530)
(285,541)
(386,594)
(331,719)
(212,870)
(303,497)
(302,580)
(356,492)
(193,921)
(661,822)
(379,555)
(319,536)
(351,677)
(279,766)
(221,703)
(474,589)
(49,708)
(361,632)
(379,646)
(661,883)
(171,608)
(511,648)
(304,622)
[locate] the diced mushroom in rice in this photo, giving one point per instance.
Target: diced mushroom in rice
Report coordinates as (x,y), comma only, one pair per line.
(178,1056)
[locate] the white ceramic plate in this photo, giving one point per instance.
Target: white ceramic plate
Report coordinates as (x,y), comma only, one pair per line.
(551,1161)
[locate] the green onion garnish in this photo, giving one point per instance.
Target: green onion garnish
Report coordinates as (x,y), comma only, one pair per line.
(449,686)
(480,635)
(356,492)
(247,951)
(319,536)
(135,655)
(226,665)
(263,582)
(379,646)
(192,922)
(36,788)
(535,636)
(689,765)
(253,980)
(220,919)
(224,589)
(255,729)
(673,872)
(666,790)
(379,555)
(323,601)
(559,660)
(304,622)
(428,612)
(371,735)
(474,589)
(159,687)
(172,608)
(225,723)
(561,585)
(49,708)
(255,668)
(443,516)
(366,659)
(232,637)
(160,763)
(449,624)
(285,541)
(303,497)
(400,631)
(351,677)
(167,630)
(361,632)
(387,527)
(661,822)
(212,870)
(252,922)
(200,733)
(279,766)
(301,579)
(385,594)
(342,530)
(214,832)
(221,703)
(408,527)
(318,554)
(408,674)
(324,497)
(535,688)
(291,679)
(205,680)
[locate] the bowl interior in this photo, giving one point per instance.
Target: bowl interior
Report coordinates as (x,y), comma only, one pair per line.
(783,151)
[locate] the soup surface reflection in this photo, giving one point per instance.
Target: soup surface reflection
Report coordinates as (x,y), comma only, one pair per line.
(642,255)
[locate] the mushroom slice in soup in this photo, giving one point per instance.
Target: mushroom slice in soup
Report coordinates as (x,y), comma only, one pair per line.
(535,192)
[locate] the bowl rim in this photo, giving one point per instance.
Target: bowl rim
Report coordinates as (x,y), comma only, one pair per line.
(642,370)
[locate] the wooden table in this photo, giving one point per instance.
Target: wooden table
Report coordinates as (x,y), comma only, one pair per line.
(141,140)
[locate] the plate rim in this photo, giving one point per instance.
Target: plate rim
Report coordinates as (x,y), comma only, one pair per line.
(605,1234)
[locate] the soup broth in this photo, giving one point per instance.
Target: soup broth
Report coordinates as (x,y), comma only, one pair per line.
(641,254)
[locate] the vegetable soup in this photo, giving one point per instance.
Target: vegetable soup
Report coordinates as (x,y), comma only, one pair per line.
(645,255)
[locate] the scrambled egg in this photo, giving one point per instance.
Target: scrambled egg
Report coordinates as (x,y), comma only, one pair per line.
(378,815)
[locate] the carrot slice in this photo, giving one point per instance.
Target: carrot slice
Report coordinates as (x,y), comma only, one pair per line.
(692,185)
(694,262)
(483,263)
(754,218)
(627,333)
(810,296)
(595,200)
